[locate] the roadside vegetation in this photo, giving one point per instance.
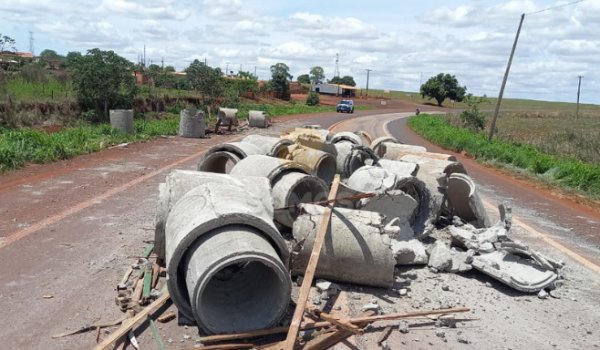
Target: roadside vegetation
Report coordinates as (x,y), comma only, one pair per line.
(549,160)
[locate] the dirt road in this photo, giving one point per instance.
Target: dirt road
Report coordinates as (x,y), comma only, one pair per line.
(66,230)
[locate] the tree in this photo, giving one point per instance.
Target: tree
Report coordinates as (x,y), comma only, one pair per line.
(304,79)
(317,75)
(155,68)
(169,69)
(49,54)
(6,43)
(443,86)
(336,80)
(207,80)
(102,79)
(280,73)
(313,99)
(348,80)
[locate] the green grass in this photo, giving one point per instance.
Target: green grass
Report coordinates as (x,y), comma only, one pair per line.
(568,172)
(21,90)
(20,147)
(297,108)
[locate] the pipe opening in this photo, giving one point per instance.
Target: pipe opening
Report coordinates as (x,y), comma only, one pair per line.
(219,162)
(326,168)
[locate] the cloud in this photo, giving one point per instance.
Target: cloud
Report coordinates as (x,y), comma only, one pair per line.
(244,32)
(90,34)
(153,9)
(155,30)
(313,25)
(227,9)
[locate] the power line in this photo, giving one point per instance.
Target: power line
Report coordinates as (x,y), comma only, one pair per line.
(539,47)
(555,7)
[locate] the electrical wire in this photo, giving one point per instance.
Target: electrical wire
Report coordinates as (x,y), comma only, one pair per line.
(539,47)
(555,7)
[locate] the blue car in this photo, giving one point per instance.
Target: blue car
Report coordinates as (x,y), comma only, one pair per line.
(345,106)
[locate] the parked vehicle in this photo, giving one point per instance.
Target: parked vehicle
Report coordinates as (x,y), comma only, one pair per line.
(418,111)
(345,106)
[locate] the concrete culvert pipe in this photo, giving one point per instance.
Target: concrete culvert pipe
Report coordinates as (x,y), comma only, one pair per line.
(398,167)
(313,126)
(435,167)
(192,123)
(268,145)
(268,167)
(292,188)
(226,116)
(162,210)
(376,144)
(347,136)
(351,158)
(122,119)
(372,179)
(220,207)
(220,158)
(396,150)
(236,281)
(322,164)
(257,119)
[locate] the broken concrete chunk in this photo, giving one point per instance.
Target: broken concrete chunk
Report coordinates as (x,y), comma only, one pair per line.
(399,231)
(399,167)
(410,252)
(521,274)
(463,238)
(403,327)
(327,287)
(461,262)
(372,179)
(434,166)
(354,252)
(373,307)
(378,142)
(440,256)
(392,150)
(464,199)
(486,248)
(392,204)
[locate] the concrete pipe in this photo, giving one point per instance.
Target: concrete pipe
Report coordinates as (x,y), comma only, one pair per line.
(396,150)
(371,179)
(192,123)
(347,136)
(322,164)
(224,208)
(351,157)
(438,156)
(431,196)
(400,168)
(122,119)
(313,126)
(292,188)
(376,144)
(257,119)
(305,137)
(464,199)
(435,167)
(160,219)
(235,280)
(357,250)
(268,145)
(265,166)
(218,157)
(226,116)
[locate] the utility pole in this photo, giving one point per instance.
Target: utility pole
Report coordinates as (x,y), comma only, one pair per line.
(421,80)
(512,53)
(578,92)
(205,63)
(368,71)
(31,47)
(240,68)
(255,71)
(162,61)
(227,69)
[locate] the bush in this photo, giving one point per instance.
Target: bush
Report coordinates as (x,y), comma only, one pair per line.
(313,99)
(473,119)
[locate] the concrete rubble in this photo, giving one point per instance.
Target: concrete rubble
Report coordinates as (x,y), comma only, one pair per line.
(234,232)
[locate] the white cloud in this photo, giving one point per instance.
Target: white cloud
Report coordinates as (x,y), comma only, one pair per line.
(153,9)
(312,25)
(88,33)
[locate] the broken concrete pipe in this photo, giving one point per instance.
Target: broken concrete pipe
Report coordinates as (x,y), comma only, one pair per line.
(160,219)
(440,156)
(395,150)
(225,258)
(226,116)
(122,119)
(351,157)
(465,201)
(400,168)
(257,119)
(268,145)
(322,164)
(376,144)
(433,166)
(192,123)
(357,250)
(290,183)
(221,158)
(347,136)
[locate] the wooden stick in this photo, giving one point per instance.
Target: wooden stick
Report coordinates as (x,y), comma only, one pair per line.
(97,334)
(383,336)
(309,275)
(155,271)
(408,314)
(148,250)
(114,336)
(126,275)
(222,347)
(147,282)
(336,321)
(329,340)
(128,315)
(335,200)
(166,318)
(137,292)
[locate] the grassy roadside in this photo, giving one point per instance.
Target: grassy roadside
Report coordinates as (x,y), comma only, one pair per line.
(566,172)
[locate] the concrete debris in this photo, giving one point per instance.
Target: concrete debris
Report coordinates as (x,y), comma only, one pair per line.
(351,157)
(464,199)
(346,136)
(403,327)
(392,204)
(355,252)
(409,253)
(403,292)
(440,333)
(433,166)
(542,294)
(462,338)
(371,179)
(376,144)
(328,287)
(400,168)
(373,307)
(397,150)
(440,256)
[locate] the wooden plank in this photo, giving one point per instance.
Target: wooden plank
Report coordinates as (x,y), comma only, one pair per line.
(126,275)
(166,318)
(147,282)
(159,342)
(155,272)
(114,336)
(310,270)
(336,321)
(148,250)
(222,347)
(329,340)
(138,289)
(383,336)
(258,333)
(408,314)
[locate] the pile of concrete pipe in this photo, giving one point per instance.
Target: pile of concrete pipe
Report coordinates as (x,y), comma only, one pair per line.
(234,233)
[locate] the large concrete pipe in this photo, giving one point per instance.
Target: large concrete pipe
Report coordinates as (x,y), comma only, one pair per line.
(351,157)
(400,168)
(268,145)
(269,167)
(322,164)
(226,261)
(376,144)
(122,119)
(371,179)
(464,199)
(395,150)
(433,166)
(257,119)
(226,116)
(292,188)
(221,157)
(192,123)
(439,156)
(348,137)
(160,219)
(357,251)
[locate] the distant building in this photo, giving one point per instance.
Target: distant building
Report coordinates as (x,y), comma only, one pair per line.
(16,54)
(335,89)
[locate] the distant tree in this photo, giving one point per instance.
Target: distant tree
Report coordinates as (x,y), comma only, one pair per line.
(336,80)
(102,80)
(49,54)
(280,73)
(207,80)
(169,69)
(317,75)
(313,99)
(443,86)
(348,80)
(304,79)
(155,68)
(7,43)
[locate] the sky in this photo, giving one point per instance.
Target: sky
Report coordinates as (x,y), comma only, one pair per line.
(402,42)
